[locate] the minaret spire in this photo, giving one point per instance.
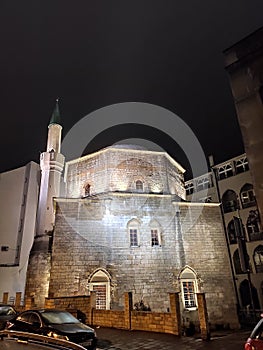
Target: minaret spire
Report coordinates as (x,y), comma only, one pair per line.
(55,118)
(54,131)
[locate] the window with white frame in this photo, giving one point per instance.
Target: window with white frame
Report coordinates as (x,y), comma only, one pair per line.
(241,165)
(133,237)
(155,233)
(202,184)
(189,294)
(189,288)
(189,187)
(225,171)
(133,231)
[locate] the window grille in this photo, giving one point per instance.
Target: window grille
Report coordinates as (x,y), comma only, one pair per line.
(133,237)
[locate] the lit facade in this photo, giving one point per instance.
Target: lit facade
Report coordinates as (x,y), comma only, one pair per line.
(231,184)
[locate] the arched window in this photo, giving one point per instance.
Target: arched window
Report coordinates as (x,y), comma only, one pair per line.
(202,184)
(237,263)
(231,232)
(87,190)
(133,231)
(253,225)
(225,171)
(189,287)
(241,165)
(155,228)
(258,258)
(245,294)
(99,282)
(247,196)
(139,185)
(230,201)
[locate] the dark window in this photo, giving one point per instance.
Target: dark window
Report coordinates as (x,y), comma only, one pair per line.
(258,258)
(230,201)
(225,171)
(253,225)
(189,188)
(87,190)
(231,232)
(247,196)
(237,263)
(139,185)
(241,165)
(155,237)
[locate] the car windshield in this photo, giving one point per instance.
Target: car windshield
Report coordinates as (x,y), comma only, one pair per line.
(6,310)
(58,317)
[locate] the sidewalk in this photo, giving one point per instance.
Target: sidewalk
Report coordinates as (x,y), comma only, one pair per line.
(115,339)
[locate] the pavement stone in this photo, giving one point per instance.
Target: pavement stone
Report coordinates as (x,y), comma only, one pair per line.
(116,339)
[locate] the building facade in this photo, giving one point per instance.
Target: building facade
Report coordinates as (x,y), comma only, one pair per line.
(244,65)
(18,203)
(231,184)
(122,225)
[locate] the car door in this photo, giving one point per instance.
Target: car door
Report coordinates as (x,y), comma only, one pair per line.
(21,323)
(34,323)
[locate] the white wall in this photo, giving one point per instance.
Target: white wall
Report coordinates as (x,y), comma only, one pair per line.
(18,204)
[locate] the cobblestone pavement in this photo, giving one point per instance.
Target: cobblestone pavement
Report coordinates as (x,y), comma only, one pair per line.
(113,339)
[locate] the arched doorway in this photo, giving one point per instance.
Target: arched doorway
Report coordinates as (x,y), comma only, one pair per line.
(99,282)
(245,294)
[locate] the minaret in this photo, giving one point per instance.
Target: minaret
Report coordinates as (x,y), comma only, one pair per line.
(51,164)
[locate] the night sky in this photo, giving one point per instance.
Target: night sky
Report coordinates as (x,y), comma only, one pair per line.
(92,54)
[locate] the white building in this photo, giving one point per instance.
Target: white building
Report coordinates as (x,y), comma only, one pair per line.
(18,203)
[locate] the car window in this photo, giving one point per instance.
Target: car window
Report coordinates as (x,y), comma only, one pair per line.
(34,318)
(6,310)
(24,317)
(59,317)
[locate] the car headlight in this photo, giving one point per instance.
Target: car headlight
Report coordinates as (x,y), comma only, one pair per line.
(57,336)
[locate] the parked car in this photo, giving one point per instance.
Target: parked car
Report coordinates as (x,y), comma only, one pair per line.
(255,340)
(54,323)
(28,341)
(6,313)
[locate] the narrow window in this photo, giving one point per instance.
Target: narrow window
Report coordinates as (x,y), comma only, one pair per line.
(87,190)
(258,258)
(155,237)
(189,187)
(139,185)
(189,288)
(253,225)
(189,294)
(133,237)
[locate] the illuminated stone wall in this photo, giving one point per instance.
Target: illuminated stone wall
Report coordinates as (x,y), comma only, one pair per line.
(92,233)
(116,169)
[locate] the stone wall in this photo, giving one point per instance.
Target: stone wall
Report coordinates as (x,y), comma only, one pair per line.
(113,169)
(92,234)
